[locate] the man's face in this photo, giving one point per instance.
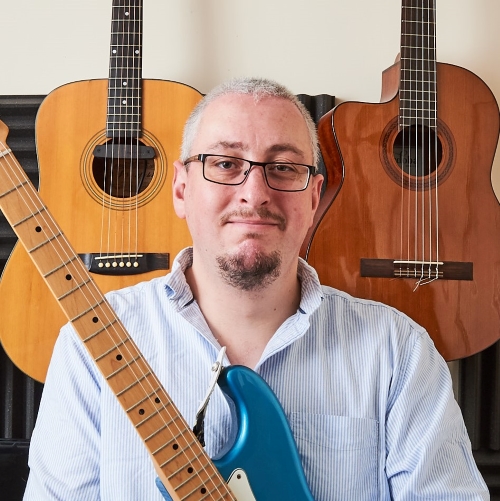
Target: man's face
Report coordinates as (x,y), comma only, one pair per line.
(250,221)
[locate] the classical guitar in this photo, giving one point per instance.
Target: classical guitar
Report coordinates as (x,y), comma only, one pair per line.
(413,220)
(105,152)
(263,464)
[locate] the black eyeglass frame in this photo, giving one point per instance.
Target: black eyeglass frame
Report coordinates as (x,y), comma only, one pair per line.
(202,156)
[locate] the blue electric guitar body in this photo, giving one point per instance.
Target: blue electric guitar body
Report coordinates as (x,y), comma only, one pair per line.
(264,450)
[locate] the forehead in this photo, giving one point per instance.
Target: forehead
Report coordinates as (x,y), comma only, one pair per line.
(255,125)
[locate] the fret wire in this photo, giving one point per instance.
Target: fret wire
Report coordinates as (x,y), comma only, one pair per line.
(60,266)
(181,450)
(28,217)
(149,437)
(173,439)
(126,365)
(14,188)
(89,309)
(45,242)
(110,350)
(146,419)
(147,396)
(131,385)
(96,333)
(74,289)
(209,493)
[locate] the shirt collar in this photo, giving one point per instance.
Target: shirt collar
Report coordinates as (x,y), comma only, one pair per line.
(178,290)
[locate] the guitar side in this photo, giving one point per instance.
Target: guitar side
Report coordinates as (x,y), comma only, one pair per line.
(264,441)
(462,316)
(67,129)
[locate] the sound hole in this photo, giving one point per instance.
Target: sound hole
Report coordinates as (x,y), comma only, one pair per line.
(417,150)
(121,170)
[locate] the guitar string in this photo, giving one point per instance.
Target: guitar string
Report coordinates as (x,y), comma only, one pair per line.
(137,58)
(152,391)
(420,131)
(109,149)
(420,146)
(402,92)
(130,30)
(126,104)
(429,79)
(436,137)
(125,126)
(424,120)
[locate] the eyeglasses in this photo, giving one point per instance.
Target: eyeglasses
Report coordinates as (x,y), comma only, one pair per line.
(280,176)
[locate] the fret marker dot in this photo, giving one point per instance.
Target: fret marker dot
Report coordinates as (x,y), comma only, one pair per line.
(95,320)
(124,102)
(114,51)
(118,357)
(157,400)
(190,470)
(68,277)
(141,411)
(175,447)
(38,229)
(137,52)
(203,490)
(125,84)
(126,13)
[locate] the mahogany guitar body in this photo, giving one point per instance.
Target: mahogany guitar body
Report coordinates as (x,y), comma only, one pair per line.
(362,227)
(70,124)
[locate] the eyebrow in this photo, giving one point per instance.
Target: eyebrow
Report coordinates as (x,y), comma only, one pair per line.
(275,148)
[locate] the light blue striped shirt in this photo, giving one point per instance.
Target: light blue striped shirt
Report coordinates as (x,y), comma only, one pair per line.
(368,398)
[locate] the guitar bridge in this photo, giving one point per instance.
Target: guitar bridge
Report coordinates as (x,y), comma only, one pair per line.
(426,270)
(125,264)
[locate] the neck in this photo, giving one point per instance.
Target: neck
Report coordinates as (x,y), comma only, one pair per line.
(244,321)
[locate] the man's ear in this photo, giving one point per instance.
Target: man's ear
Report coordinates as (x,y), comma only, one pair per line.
(317,182)
(178,188)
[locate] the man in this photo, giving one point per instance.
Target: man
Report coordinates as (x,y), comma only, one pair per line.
(367,396)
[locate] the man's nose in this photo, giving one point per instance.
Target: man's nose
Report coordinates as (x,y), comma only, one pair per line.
(255,189)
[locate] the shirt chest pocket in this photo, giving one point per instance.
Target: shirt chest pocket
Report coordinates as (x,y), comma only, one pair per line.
(340,455)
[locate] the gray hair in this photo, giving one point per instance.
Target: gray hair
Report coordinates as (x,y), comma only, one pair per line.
(258,87)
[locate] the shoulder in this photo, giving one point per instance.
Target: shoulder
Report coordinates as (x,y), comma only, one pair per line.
(370,327)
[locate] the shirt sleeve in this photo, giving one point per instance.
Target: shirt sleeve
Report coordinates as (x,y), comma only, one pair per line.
(64,451)
(428,450)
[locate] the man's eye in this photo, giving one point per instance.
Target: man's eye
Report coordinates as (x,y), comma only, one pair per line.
(283,167)
(226,164)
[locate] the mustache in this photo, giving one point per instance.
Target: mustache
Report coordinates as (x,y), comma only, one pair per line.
(262,213)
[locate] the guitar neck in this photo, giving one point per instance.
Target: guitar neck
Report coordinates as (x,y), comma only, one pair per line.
(177,455)
(125,70)
(417,90)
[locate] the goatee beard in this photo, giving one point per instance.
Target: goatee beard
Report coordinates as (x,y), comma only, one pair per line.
(263,270)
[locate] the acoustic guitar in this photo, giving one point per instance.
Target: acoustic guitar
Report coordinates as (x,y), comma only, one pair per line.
(105,152)
(263,464)
(412,218)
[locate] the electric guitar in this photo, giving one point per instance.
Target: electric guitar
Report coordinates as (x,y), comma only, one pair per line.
(263,464)
(413,220)
(105,152)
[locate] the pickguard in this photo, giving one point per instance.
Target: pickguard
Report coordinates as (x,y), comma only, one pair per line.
(240,486)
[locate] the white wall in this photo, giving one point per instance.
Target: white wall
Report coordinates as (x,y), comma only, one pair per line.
(337,47)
